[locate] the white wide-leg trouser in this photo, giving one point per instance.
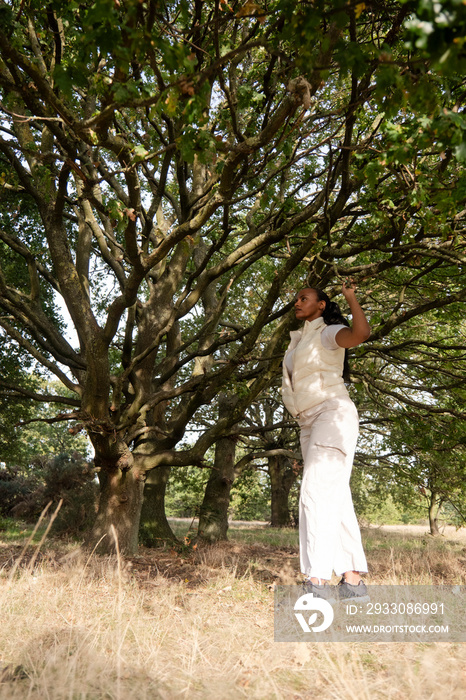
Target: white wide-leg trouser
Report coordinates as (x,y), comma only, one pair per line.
(329,535)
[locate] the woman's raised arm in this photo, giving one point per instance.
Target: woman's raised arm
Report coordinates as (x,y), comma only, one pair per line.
(360,329)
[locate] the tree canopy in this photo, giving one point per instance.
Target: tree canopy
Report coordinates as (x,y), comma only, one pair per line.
(171,171)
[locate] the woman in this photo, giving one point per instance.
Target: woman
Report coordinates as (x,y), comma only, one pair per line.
(314,392)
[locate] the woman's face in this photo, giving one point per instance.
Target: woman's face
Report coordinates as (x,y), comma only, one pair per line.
(308,306)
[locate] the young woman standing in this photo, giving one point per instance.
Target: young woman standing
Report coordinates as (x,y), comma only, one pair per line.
(314,392)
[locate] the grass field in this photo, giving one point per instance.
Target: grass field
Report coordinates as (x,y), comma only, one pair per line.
(178,623)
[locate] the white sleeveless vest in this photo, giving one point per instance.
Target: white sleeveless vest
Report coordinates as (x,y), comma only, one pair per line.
(317,372)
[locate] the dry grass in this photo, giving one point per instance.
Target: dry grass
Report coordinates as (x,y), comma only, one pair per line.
(170,624)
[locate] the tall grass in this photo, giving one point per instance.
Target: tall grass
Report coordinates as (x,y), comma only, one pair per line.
(173,624)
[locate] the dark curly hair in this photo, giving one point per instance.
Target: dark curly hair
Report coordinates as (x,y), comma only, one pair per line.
(332,316)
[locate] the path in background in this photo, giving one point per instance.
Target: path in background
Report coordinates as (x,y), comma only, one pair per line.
(448,531)
(231,523)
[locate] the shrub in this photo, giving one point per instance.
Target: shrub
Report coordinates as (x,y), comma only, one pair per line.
(24,493)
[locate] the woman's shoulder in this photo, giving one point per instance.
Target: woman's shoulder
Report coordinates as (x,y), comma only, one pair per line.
(328,335)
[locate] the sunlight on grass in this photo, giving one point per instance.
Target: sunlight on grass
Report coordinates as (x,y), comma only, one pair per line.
(198,624)
(244,533)
(286,537)
(16,532)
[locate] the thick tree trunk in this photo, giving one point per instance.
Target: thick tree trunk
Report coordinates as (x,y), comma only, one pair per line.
(117,523)
(434,508)
(213,515)
(155,529)
(282,477)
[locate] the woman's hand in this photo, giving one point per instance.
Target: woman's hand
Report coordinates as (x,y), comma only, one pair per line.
(348,289)
(360,330)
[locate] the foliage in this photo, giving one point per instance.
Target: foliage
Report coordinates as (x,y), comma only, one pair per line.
(377,503)
(15,488)
(28,430)
(419,462)
(12,412)
(24,493)
(184,492)
(250,496)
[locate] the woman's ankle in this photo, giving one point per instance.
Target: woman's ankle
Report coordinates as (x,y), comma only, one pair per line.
(318,581)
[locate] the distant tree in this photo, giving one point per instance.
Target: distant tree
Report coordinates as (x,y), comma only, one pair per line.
(250,496)
(420,458)
(213,512)
(269,441)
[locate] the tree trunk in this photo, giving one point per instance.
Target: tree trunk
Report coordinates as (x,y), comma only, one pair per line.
(434,509)
(117,523)
(155,529)
(282,477)
(213,515)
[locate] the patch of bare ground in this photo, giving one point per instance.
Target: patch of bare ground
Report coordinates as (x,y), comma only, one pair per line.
(446,531)
(178,622)
(264,564)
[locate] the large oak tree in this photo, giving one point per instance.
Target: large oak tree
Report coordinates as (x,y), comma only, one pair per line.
(180,154)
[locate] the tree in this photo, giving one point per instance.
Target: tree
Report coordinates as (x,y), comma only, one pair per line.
(213,513)
(180,154)
(269,440)
(421,460)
